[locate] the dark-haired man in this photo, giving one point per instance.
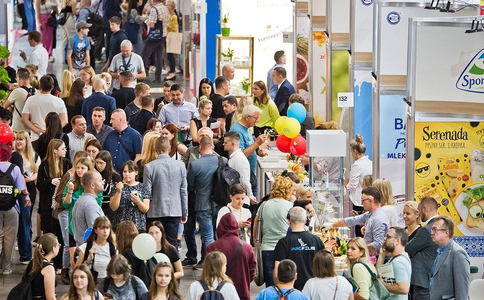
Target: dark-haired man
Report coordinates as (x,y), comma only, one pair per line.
(284,289)
(118,35)
(39,105)
(375,219)
(75,139)
(139,120)
(280,58)
(125,94)
(98,128)
(17,99)
(229,105)
(285,89)
(39,55)
(222,89)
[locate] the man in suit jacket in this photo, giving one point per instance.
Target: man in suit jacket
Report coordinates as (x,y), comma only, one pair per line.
(450,277)
(422,250)
(285,90)
(166,179)
(98,98)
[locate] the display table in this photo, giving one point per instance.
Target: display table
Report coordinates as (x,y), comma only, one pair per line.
(274,161)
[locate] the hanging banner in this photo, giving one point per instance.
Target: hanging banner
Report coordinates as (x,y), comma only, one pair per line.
(302,56)
(449,166)
(318,73)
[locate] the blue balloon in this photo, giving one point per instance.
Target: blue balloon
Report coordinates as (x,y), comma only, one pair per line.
(87,233)
(297,111)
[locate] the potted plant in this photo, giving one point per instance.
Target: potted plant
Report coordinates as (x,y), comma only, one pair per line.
(245,83)
(229,55)
(4,53)
(225,21)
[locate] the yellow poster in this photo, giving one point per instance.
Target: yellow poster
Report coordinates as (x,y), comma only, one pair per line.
(449,166)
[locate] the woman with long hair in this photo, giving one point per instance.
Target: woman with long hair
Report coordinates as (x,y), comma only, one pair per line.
(104,165)
(82,286)
(411,217)
(119,281)
(74,102)
(203,120)
(43,10)
(157,231)
(31,160)
(274,213)
(358,256)
(213,273)
(98,249)
(177,149)
(87,73)
(131,199)
(205,88)
(53,130)
(163,285)
(51,170)
(270,112)
(93,146)
(387,200)
(148,151)
(67,79)
(43,285)
(326,284)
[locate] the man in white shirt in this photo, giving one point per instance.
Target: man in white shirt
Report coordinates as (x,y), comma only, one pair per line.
(239,162)
(39,55)
(39,105)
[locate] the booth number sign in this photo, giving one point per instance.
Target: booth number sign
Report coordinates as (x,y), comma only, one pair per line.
(346,100)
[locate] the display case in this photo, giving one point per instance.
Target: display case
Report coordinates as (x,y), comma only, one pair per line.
(237,51)
(326,177)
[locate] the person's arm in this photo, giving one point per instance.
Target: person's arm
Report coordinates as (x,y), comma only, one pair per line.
(49,282)
(143,205)
(178,269)
(140,76)
(253,147)
(116,199)
(63,117)
(274,275)
(37,14)
(255,227)
(88,58)
(461,267)
(401,286)
(354,180)
(181,148)
(184,194)
(69,60)
(194,131)
(26,121)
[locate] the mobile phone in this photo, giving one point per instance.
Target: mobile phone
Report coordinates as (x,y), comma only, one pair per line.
(249,220)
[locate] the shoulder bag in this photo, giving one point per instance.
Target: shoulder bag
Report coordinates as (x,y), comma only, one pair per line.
(156,33)
(259,271)
(377,290)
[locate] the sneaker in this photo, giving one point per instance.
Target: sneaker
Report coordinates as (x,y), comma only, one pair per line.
(58,271)
(7,272)
(152,69)
(198,266)
(188,262)
(51,59)
(26,262)
(65,276)
(164,71)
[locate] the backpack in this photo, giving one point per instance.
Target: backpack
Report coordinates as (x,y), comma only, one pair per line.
(74,48)
(146,269)
(282,296)
(96,22)
(30,92)
(112,252)
(209,294)
(23,290)
(223,178)
(7,189)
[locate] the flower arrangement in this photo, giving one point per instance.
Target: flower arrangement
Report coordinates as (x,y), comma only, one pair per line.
(245,83)
(294,165)
(4,53)
(225,19)
(229,53)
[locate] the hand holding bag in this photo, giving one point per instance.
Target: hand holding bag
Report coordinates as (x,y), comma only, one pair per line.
(259,274)
(377,290)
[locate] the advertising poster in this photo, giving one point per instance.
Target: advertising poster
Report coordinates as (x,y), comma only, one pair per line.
(362,90)
(449,166)
(393,146)
(302,57)
(318,73)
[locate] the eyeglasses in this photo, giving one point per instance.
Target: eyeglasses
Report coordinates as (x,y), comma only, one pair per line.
(434,229)
(389,237)
(255,118)
(363,200)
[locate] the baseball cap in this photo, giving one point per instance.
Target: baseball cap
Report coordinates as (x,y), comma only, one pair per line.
(5,114)
(82,24)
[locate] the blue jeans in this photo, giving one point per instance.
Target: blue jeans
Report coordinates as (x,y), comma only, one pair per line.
(268,264)
(24,234)
(205,224)
(30,14)
(64,222)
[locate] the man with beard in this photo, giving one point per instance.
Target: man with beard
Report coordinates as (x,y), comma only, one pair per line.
(394,246)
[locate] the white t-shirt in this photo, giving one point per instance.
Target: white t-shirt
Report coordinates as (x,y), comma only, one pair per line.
(392,214)
(323,288)
(101,258)
(38,106)
(228,291)
(18,98)
(243,214)
(133,64)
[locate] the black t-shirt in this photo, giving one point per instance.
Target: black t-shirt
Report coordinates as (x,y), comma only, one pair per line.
(299,247)
(123,96)
(12,74)
(217,108)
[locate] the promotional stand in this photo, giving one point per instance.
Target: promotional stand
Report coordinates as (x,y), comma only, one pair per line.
(445,124)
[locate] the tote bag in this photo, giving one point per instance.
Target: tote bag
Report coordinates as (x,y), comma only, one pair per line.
(377,290)
(173,42)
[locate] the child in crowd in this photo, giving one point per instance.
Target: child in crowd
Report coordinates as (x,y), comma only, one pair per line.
(163,285)
(82,285)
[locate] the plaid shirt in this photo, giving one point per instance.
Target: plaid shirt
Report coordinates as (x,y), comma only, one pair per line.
(163,15)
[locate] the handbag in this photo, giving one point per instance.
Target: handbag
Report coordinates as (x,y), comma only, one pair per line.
(52,20)
(156,34)
(62,17)
(173,42)
(96,22)
(259,271)
(377,290)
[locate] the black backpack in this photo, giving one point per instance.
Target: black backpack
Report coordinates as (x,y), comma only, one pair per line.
(209,294)
(96,22)
(223,178)
(7,188)
(23,290)
(112,252)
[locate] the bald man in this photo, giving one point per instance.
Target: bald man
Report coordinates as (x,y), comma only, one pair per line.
(228,71)
(124,143)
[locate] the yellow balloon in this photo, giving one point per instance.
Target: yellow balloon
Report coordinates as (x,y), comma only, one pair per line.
(291,128)
(279,125)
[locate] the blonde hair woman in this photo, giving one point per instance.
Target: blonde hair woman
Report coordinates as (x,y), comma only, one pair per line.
(87,74)
(148,151)
(411,218)
(358,256)
(67,79)
(387,201)
(274,213)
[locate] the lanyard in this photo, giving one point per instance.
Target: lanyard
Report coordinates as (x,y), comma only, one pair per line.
(126,65)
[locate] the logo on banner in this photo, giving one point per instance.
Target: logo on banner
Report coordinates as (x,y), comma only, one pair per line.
(393,18)
(367,2)
(472,78)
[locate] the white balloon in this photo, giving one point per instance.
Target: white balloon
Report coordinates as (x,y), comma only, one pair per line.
(144,246)
(162,257)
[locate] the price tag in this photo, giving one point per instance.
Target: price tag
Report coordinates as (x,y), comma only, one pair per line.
(346,100)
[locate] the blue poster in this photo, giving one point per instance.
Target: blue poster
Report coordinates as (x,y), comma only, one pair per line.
(363,108)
